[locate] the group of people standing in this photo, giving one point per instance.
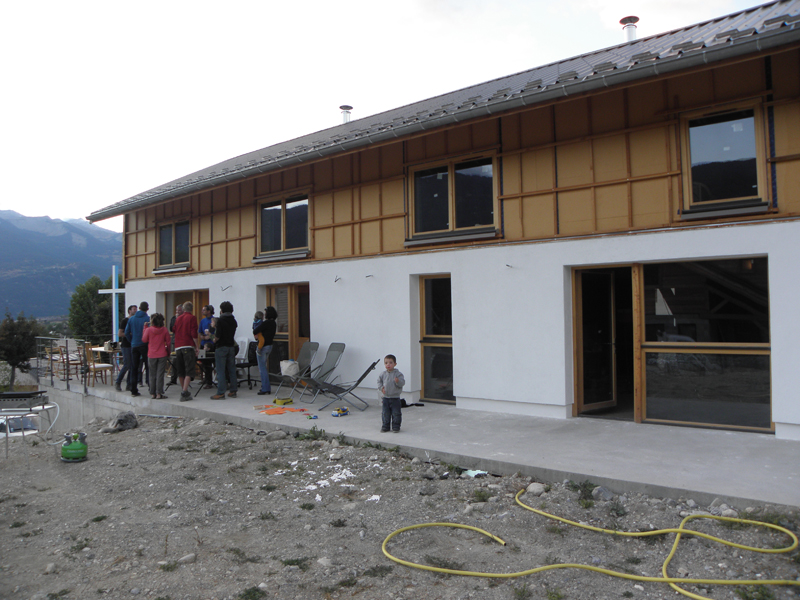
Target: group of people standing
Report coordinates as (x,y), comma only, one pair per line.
(146,342)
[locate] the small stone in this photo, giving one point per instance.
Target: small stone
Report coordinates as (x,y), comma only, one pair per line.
(427,490)
(373,458)
(429,474)
(263,586)
(691,503)
(277,435)
(536,489)
(325,562)
(729,512)
(415,460)
(335,456)
(50,569)
(601,493)
(188,559)
(136,591)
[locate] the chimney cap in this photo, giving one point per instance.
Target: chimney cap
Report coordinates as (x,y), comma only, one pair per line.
(629,20)
(345,107)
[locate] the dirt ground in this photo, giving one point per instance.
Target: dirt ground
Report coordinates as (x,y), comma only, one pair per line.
(194,509)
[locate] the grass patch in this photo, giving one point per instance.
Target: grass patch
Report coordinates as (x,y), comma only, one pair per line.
(754,592)
(297,562)
(252,593)
(189,477)
(481,495)
(57,595)
(313,434)
(339,523)
(268,487)
(584,489)
(616,509)
(240,557)
(99,518)
(16,524)
(554,594)
(587,504)
(169,567)
(267,516)
(522,593)
(555,529)
(307,506)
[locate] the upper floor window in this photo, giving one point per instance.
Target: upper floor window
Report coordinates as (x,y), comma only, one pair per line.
(454,196)
(725,159)
(284,224)
(173,244)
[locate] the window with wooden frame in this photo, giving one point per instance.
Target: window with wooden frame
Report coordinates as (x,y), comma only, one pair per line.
(284,226)
(724,162)
(173,244)
(458,196)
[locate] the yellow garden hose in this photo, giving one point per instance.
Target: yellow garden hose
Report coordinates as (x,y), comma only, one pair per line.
(672,581)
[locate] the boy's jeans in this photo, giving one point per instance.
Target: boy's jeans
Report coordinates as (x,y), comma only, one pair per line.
(392,417)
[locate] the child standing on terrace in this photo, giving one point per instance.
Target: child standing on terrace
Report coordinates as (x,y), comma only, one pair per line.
(390,384)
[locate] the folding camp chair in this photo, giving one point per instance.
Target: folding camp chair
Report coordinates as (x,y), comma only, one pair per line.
(304,359)
(320,373)
(339,392)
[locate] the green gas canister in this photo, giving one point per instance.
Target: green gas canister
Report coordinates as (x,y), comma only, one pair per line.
(74,447)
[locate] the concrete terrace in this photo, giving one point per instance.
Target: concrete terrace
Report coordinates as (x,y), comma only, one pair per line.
(665,461)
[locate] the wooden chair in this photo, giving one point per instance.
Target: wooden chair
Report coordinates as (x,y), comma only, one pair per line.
(95,366)
(65,362)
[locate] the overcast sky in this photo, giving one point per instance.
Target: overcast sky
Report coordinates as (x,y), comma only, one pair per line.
(103,100)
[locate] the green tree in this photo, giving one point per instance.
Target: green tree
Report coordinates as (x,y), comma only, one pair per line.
(18,343)
(90,316)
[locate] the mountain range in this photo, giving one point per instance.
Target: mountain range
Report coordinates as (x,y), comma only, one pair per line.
(44,259)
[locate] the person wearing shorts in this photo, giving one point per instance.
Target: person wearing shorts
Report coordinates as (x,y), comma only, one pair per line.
(186,345)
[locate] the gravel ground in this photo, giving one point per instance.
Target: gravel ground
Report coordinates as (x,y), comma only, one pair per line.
(194,509)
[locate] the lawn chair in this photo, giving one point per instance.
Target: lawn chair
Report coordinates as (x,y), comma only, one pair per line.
(339,392)
(307,353)
(320,373)
(249,360)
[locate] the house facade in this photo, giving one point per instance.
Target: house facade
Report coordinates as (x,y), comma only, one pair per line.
(611,235)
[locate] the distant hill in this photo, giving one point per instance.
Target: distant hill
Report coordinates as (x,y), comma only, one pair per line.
(43,259)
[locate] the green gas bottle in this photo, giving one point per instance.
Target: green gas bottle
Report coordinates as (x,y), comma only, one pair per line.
(74,447)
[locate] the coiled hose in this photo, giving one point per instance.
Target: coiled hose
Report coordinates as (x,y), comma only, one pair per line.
(672,581)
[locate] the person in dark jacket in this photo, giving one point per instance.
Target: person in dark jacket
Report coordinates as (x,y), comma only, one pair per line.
(264,333)
(134,331)
(225,352)
(125,346)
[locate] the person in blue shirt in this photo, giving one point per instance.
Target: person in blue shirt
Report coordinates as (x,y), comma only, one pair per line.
(205,332)
(134,331)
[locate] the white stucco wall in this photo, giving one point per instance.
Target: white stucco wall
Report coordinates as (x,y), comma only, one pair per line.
(512,309)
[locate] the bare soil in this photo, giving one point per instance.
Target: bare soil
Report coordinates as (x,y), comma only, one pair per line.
(194,509)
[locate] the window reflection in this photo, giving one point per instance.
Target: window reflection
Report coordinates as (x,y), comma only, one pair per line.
(719,389)
(723,301)
(723,155)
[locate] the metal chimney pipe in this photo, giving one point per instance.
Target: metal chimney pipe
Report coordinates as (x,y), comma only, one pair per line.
(345,108)
(629,27)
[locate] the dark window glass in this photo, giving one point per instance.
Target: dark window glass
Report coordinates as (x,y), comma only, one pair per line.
(438,369)
(271,227)
(707,301)
(723,154)
(474,196)
(438,307)
(720,389)
(297,223)
(431,210)
(182,242)
(165,245)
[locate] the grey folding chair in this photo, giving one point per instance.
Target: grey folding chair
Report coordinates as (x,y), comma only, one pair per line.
(304,359)
(340,392)
(321,373)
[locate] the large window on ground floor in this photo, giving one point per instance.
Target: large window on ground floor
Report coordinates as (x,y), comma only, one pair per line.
(706,348)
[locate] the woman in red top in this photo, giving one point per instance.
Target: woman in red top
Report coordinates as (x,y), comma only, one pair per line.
(157,338)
